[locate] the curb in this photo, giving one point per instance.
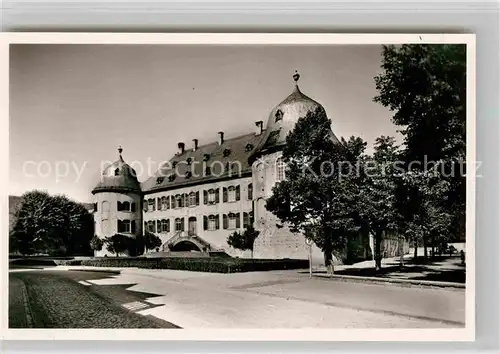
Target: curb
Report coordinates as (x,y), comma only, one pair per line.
(401,282)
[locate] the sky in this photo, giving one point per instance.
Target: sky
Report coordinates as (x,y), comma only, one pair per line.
(71,106)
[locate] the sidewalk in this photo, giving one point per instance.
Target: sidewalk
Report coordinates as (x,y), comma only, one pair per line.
(442,272)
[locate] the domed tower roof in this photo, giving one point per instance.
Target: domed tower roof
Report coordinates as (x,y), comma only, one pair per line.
(285,115)
(118,177)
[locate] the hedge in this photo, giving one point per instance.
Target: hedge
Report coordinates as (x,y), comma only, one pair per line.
(212,265)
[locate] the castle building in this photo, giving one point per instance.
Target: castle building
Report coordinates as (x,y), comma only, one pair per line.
(206,192)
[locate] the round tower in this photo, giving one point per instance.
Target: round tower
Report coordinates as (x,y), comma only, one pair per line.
(118,200)
(275,240)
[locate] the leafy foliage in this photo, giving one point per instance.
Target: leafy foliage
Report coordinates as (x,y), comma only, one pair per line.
(96,243)
(214,265)
(375,207)
(314,198)
(425,87)
(243,241)
(118,244)
(51,224)
(151,241)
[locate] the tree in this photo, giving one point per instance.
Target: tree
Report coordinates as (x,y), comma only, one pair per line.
(51,224)
(313,199)
(118,244)
(425,87)
(243,241)
(151,241)
(376,185)
(96,243)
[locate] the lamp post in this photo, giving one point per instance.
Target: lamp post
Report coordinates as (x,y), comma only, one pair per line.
(309,243)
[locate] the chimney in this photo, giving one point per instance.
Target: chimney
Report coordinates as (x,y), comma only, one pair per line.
(260,127)
(195,146)
(221,138)
(181,147)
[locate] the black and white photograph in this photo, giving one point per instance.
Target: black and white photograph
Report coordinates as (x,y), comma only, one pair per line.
(211,184)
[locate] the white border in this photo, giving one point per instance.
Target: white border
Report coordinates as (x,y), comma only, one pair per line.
(461,334)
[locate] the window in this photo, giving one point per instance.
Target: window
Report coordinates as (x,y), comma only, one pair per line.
(212,222)
(160,180)
(158,204)
(165,226)
(278,115)
(247,219)
(179,224)
(250,192)
(179,201)
(124,226)
(231,194)
(171,178)
(280,169)
(125,206)
(211,196)
(95,206)
(151,205)
(233,221)
(151,226)
(145,205)
(192,199)
(226,152)
(165,203)
(206,157)
(248,147)
(117,172)
(185,196)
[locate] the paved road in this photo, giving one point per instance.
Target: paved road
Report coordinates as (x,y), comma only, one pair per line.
(279,299)
(55,299)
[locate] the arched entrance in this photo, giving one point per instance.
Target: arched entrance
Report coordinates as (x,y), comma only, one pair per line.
(185,246)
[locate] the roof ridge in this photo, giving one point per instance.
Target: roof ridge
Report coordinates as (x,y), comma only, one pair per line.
(225,140)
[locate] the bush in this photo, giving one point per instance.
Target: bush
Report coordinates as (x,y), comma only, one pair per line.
(212,265)
(68,262)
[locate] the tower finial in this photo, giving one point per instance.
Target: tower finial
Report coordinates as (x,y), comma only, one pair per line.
(120,150)
(296,76)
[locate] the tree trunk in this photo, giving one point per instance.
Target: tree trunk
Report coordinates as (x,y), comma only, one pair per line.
(378,255)
(425,250)
(415,250)
(432,247)
(401,252)
(251,253)
(327,254)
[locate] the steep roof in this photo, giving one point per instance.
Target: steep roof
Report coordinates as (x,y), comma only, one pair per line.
(233,152)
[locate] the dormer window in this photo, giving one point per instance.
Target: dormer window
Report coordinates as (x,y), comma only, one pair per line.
(117,172)
(226,152)
(248,147)
(278,115)
(160,180)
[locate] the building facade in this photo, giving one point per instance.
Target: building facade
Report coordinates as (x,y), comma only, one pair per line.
(204,193)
